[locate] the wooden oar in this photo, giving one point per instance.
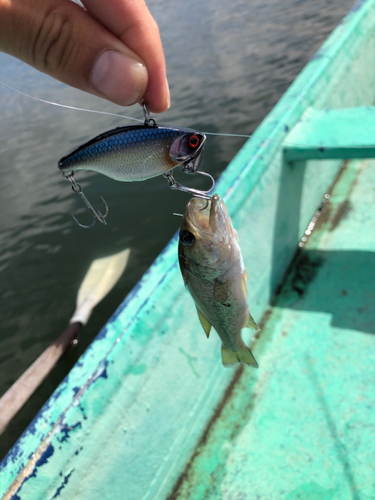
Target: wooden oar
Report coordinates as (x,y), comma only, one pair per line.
(101,277)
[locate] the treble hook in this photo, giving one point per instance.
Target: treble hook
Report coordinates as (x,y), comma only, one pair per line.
(96,214)
(173,184)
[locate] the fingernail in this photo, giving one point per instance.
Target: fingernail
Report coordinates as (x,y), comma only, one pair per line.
(119,77)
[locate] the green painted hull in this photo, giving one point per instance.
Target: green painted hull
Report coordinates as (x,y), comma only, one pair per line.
(127,420)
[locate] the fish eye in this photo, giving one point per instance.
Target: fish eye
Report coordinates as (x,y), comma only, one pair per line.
(194,141)
(187,238)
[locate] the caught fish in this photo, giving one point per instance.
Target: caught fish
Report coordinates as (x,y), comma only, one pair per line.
(214,273)
(138,152)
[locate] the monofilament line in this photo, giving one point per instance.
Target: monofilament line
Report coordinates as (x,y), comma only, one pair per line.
(69,107)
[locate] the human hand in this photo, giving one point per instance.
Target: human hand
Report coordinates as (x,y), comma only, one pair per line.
(112,49)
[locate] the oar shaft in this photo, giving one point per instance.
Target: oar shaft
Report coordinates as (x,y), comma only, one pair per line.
(17,395)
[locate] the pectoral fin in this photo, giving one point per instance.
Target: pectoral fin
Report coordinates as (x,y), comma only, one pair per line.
(204,322)
(243,282)
(220,291)
(251,323)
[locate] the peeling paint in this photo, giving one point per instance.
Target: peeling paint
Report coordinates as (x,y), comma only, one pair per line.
(63,484)
(65,431)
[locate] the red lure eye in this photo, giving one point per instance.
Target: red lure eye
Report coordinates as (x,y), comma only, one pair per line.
(194,141)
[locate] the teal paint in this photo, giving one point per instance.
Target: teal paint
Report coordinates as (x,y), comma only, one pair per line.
(332,134)
(311,491)
(130,431)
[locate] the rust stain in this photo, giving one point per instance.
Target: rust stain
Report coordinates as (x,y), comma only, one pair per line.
(216,415)
(342,210)
(325,214)
(263,321)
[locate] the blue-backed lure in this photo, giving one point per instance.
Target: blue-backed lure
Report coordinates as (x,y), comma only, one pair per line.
(136,153)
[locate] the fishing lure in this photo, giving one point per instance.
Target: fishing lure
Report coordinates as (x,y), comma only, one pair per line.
(136,153)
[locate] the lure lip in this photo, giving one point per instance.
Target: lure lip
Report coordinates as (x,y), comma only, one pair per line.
(192,165)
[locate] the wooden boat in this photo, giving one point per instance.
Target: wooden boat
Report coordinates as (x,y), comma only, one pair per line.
(149,411)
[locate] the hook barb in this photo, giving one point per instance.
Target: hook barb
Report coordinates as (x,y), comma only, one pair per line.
(95,213)
(173,184)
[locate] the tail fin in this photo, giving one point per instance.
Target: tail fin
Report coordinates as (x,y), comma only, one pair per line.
(231,358)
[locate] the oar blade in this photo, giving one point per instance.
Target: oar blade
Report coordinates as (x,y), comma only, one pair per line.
(101,277)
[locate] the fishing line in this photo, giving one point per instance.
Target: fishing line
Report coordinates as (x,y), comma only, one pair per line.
(227,135)
(74,108)
(69,107)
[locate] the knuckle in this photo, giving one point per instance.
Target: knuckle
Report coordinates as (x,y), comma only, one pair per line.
(54,41)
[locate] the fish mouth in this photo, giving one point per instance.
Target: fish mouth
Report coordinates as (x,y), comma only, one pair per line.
(204,214)
(216,212)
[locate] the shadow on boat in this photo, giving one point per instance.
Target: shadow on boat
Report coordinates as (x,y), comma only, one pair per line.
(339,282)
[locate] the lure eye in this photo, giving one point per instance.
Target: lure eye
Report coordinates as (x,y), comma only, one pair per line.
(194,141)
(187,238)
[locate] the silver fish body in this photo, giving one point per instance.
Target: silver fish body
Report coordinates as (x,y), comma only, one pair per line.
(214,273)
(137,152)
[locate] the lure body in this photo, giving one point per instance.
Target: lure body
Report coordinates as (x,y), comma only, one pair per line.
(137,152)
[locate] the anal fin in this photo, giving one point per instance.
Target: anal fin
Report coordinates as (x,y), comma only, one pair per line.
(204,322)
(250,323)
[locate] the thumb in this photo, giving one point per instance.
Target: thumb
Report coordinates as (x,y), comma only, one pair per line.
(63,40)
